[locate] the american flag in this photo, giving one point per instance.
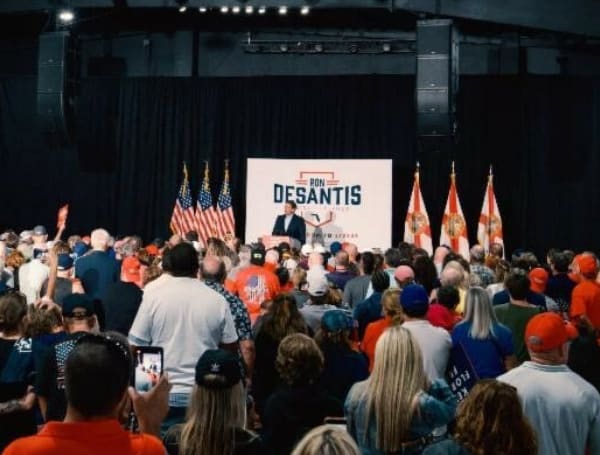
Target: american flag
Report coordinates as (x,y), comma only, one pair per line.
(182,220)
(225,213)
(206,216)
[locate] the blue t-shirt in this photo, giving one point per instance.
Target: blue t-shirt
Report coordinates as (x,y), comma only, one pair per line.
(487,356)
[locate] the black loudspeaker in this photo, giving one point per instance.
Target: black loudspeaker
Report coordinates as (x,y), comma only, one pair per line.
(437,77)
(56,86)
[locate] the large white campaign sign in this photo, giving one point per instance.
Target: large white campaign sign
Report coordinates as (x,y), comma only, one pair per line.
(340,200)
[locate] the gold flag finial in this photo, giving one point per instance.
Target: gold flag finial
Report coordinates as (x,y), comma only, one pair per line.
(185,171)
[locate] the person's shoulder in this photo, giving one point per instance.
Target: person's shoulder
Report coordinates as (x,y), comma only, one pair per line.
(30,445)
(503,307)
(446,447)
(502,330)
(512,376)
(145,444)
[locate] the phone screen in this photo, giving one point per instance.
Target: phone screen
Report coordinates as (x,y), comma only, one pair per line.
(148,366)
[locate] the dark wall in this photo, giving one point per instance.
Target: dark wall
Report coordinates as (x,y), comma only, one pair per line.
(540,133)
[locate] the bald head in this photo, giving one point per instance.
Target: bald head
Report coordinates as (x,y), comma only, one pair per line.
(342,259)
(100,239)
(315,259)
(352,251)
(272,257)
(451,276)
(477,254)
(212,268)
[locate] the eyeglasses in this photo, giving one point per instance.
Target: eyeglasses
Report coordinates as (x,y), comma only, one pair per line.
(109,341)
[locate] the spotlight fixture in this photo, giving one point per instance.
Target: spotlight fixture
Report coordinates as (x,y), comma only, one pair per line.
(224,9)
(318,48)
(283,47)
(203,9)
(262,10)
(386,47)
(283,10)
(249,9)
(305,10)
(182,4)
(235,10)
(66,16)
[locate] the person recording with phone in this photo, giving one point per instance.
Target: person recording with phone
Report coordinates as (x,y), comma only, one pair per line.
(97,375)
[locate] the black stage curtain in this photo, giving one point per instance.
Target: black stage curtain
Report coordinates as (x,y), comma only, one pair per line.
(123,171)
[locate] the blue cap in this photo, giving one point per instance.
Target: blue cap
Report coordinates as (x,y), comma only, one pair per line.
(414,298)
(335,247)
(77,306)
(65,261)
(80,249)
(336,320)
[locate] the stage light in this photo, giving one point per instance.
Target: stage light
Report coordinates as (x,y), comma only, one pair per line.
(304,10)
(182,5)
(283,48)
(66,16)
(249,9)
(318,48)
(386,47)
(224,9)
(202,9)
(283,10)
(235,10)
(262,10)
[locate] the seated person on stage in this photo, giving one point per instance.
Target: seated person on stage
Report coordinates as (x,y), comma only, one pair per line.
(290,224)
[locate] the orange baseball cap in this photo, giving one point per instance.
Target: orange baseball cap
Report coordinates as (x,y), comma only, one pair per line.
(131,269)
(538,277)
(587,265)
(548,331)
(153,250)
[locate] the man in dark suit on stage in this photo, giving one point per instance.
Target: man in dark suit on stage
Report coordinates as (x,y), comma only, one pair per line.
(290,224)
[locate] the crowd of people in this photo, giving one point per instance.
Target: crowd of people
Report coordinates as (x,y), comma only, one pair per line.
(315,350)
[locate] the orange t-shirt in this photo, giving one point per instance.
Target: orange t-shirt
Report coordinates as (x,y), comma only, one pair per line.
(86,438)
(585,299)
(254,285)
(372,334)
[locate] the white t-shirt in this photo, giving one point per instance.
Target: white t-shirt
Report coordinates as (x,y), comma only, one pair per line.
(31,277)
(184,317)
(435,344)
(562,407)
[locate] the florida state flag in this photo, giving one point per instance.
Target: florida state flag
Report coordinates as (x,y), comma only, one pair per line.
(489,229)
(454,227)
(417,229)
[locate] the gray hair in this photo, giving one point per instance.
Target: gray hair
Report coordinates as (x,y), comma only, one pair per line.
(479,313)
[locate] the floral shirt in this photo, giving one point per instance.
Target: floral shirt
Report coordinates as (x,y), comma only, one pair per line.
(241,317)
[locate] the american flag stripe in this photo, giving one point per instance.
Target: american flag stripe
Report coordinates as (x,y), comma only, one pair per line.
(182,220)
(206,217)
(226,218)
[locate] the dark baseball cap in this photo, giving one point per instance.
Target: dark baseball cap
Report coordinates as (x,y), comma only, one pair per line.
(78,306)
(218,369)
